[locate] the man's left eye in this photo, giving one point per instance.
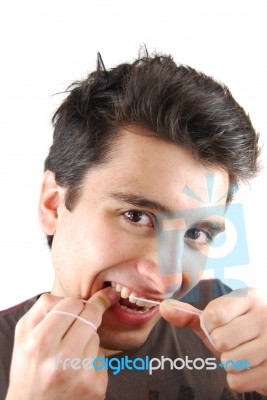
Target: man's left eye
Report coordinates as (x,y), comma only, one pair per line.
(198,236)
(138,218)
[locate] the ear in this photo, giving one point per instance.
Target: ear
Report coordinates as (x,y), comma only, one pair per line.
(48,204)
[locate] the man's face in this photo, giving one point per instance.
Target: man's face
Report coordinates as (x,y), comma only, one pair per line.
(109,236)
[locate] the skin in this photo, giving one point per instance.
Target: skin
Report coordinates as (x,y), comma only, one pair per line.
(83,254)
(38,343)
(84,258)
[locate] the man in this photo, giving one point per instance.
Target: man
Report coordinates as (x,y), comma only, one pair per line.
(127,142)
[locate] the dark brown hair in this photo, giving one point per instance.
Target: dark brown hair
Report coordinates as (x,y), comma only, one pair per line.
(173,102)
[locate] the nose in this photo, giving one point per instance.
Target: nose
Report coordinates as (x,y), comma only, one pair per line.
(164,269)
(164,283)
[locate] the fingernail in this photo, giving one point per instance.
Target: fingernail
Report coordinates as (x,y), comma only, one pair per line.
(112,294)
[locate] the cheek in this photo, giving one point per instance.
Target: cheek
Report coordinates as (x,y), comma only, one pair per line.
(111,246)
(71,250)
(193,265)
(95,245)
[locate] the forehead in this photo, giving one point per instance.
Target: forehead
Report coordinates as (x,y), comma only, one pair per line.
(164,172)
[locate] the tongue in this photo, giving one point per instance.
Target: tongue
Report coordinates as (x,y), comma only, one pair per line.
(127,303)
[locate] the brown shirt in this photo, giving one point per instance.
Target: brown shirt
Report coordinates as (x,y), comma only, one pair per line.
(166,343)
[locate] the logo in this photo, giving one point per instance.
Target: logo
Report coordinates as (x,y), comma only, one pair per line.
(226,248)
(118,364)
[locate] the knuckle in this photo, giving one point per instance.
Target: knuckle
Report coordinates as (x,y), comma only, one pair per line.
(220,340)
(23,324)
(45,299)
(19,326)
(216,315)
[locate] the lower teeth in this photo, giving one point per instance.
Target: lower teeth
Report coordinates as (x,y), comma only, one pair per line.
(131,310)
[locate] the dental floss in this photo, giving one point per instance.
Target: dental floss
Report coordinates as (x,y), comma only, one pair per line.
(199,313)
(158,302)
(205,330)
(76,317)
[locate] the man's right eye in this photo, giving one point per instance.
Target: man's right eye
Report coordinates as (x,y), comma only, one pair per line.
(198,236)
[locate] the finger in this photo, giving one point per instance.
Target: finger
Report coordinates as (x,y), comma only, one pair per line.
(180,314)
(65,353)
(249,380)
(254,352)
(224,309)
(186,316)
(54,326)
(91,349)
(92,312)
(101,301)
(39,310)
(236,332)
(45,338)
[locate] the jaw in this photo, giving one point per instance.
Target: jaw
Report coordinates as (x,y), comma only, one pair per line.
(126,325)
(116,336)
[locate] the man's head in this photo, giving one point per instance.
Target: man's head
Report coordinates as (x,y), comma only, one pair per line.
(174,103)
(126,143)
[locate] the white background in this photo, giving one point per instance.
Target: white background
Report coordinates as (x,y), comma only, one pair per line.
(45,45)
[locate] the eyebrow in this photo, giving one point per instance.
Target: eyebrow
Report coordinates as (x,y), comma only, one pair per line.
(215,226)
(142,202)
(138,201)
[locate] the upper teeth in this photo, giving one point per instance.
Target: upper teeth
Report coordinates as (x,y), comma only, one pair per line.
(125,293)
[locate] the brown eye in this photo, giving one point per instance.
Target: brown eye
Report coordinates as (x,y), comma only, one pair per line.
(198,236)
(194,234)
(138,217)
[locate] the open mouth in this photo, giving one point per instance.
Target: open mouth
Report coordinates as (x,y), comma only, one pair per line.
(127,302)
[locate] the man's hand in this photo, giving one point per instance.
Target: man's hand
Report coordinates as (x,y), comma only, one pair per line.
(237,324)
(41,336)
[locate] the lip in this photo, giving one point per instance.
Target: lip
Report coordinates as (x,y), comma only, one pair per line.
(133,318)
(125,317)
(146,293)
(143,292)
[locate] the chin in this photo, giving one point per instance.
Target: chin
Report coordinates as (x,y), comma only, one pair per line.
(123,340)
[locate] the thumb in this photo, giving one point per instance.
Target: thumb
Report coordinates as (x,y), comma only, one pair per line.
(180,314)
(104,298)
(184,315)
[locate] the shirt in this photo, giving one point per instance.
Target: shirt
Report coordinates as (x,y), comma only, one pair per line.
(184,369)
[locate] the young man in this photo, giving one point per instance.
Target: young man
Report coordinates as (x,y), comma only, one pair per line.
(127,142)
